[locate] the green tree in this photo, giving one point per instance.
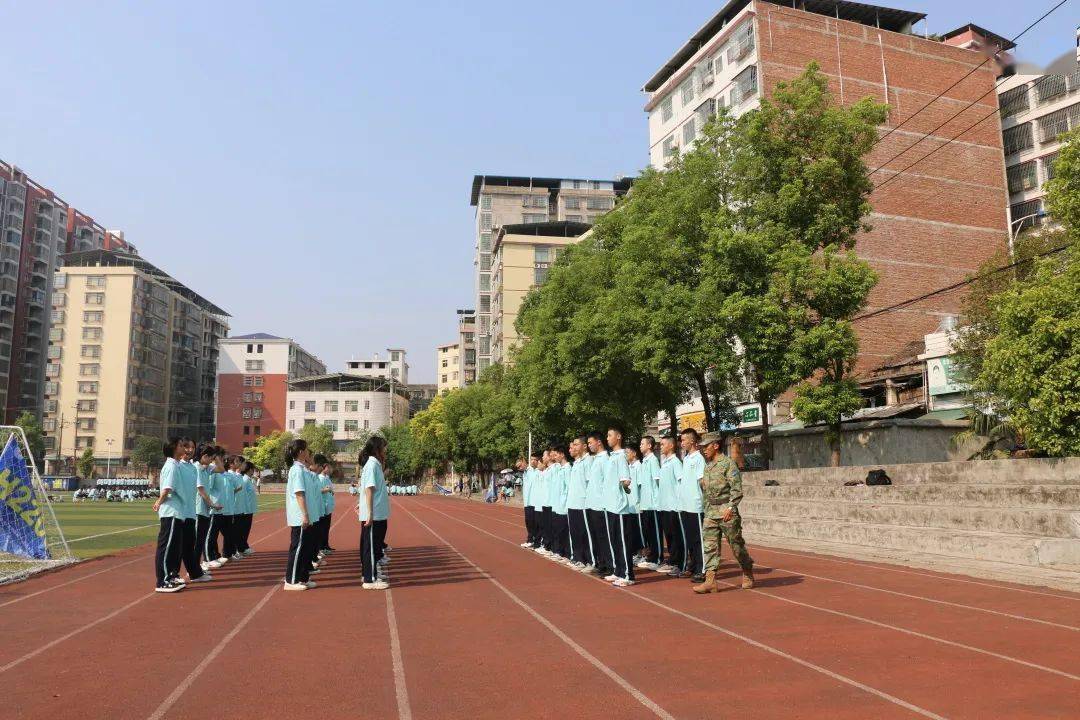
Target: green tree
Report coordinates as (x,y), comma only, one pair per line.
(34,436)
(431,448)
(356,444)
(268,452)
(86,464)
(147,452)
(401,465)
(320,440)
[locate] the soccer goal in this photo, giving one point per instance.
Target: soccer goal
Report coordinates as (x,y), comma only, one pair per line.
(30,537)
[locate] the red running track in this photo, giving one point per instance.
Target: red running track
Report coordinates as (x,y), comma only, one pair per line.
(477,627)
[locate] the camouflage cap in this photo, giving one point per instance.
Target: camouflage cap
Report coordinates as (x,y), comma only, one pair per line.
(709,438)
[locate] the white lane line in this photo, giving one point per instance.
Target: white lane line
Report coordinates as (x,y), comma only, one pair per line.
(589,657)
(98,572)
(951,578)
(73,633)
(750,641)
(928,599)
(114,532)
(180,689)
(401,689)
(884,590)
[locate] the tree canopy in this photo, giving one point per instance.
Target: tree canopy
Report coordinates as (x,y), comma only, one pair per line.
(268,452)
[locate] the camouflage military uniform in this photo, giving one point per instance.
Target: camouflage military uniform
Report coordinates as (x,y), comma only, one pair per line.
(721,489)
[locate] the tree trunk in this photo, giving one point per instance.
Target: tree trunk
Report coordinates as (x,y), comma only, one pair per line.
(673,422)
(703,389)
(766,439)
(834,445)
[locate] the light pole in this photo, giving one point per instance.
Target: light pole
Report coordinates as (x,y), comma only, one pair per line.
(1014,230)
(108,458)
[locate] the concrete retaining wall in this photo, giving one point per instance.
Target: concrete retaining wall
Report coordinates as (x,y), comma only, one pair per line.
(872,442)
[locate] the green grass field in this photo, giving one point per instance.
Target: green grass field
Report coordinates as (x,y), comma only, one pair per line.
(100,528)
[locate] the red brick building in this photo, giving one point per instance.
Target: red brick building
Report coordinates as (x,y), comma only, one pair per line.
(253,378)
(934,223)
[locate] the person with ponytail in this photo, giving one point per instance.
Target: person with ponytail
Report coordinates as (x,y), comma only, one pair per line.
(374,511)
(170,509)
(326,487)
(298,565)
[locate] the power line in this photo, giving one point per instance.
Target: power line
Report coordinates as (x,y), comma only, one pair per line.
(965,77)
(955,286)
(948,142)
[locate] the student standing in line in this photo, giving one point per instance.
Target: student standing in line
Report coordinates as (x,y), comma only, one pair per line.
(216,486)
(204,505)
(230,527)
(318,467)
(189,474)
(560,477)
(313,494)
(297,568)
(526,498)
(170,509)
(538,496)
(603,563)
(692,505)
(248,506)
(671,471)
(633,459)
(326,478)
(535,463)
(580,537)
(617,503)
(374,511)
(648,514)
(547,473)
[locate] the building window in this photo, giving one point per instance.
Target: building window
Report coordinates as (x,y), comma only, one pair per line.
(686,91)
(258,381)
(1048,165)
(309,421)
(1053,126)
(1015,101)
(257,397)
(90,351)
(330,425)
(689,132)
(89,424)
(530,218)
(485,303)
(572,203)
(247,397)
(292,424)
(352,425)
(575,218)
(485,242)
(599,203)
(539,275)
(256,413)
(246,413)
(92,316)
(258,348)
(250,348)
(258,430)
(1050,87)
(89,370)
(247,429)
(57,316)
(1029,212)
(88,388)
(742,43)
(292,404)
(485,282)
(367,424)
(485,221)
(670,147)
(667,109)
(367,404)
(485,262)
(745,86)
(330,406)
(59,299)
(91,333)
(255,365)
(1018,138)
(95,281)
(309,406)
(1024,176)
(86,405)
(485,202)
(94,298)
(352,405)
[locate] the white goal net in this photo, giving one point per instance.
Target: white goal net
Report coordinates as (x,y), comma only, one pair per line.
(30,537)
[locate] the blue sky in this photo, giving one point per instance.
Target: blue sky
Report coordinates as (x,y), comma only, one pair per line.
(307,165)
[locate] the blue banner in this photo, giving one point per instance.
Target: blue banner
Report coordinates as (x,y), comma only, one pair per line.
(22,527)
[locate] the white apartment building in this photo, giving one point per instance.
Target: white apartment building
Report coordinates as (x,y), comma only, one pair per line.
(392,366)
(345,403)
(716,68)
(1035,111)
(448,367)
(512,200)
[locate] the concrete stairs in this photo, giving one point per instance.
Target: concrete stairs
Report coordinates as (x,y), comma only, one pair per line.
(1017,520)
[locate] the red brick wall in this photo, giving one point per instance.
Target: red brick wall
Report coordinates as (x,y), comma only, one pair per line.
(230,415)
(943,217)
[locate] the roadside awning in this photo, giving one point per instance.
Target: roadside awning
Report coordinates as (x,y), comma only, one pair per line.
(949,414)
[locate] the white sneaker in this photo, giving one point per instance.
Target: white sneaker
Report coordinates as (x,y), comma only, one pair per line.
(237,556)
(178,579)
(384,561)
(622,582)
(665,568)
(526,544)
(169,587)
(650,566)
(295,586)
(377,585)
(205,566)
(220,561)
(612,578)
(311,584)
(249,551)
(215,564)
(205,577)
(587,569)
(314,571)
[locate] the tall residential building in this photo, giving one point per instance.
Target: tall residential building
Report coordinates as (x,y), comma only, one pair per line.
(127,357)
(448,367)
(933,224)
(521,257)
(392,366)
(32,237)
(347,404)
(509,200)
(1035,111)
(252,383)
(85,233)
(467,343)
